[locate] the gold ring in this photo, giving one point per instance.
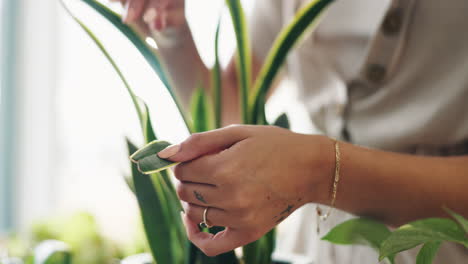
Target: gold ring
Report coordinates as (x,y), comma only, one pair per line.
(205,223)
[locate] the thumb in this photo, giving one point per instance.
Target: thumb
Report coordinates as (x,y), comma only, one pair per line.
(200,144)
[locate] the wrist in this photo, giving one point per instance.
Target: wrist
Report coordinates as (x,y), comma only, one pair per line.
(321,169)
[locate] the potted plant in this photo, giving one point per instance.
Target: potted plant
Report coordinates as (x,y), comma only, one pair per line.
(151,182)
(160,207)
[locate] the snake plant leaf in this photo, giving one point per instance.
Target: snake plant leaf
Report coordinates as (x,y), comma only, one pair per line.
(302,23)
(243,55)
(201,111)
(147,159)
(261,250)
(217,84)
(175,207)
(428,252)
(136,101)
(129,181)
(282,121)
(52,252)
(155,215)
(421,232)
(462,222)
(145,50)
(148,131)
(360,231)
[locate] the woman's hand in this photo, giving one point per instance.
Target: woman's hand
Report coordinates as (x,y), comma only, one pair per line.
(251,178)
(157,14)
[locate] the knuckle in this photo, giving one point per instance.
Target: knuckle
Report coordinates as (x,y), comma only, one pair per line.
(195,139)
(191,213)
(233,126)
(224,171)
(178,172)
(182,192)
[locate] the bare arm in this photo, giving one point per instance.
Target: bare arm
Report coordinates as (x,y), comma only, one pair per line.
(398,188)
(264,173)
(165,21)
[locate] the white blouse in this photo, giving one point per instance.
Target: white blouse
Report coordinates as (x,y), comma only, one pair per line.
(393,73)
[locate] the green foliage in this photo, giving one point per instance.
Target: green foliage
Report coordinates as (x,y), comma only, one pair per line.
(428,252)
(139,42)
(163,239)
(282,121)
(421,232)
(360,231)
(201,111)
(244,55)
(304,21)
(261,250)
(81,233)
(429,232)
(462,222)
(52,252)
(155,193)
(217,85)
(147,159)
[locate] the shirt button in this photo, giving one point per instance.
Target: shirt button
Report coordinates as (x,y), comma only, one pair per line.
(375,73)
(393,22)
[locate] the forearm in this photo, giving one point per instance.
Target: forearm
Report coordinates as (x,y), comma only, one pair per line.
(187,71)
(398,188)
(182,61)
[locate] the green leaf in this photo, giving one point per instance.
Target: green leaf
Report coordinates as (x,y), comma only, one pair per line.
(244,56)
(201,111)
(148,132)
(421,232)
(145,50)
(52,252)
(303,22)
(129,182)
(156,216)
(147,160)
(217,85)
(360,231)
(261,250)
(462,222)
(427,252)
(135,99)
(282,121)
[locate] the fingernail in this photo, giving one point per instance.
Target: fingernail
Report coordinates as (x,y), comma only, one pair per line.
(169,151)
(150,16)
(124,15)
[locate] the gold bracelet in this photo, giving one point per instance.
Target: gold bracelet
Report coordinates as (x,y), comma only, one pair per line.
(336,180)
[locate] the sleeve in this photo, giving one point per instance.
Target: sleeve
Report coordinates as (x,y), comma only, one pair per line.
(265,24)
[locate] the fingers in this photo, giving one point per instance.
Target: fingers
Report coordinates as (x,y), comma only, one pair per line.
(214,216)
(204,143)
(222,242)
(133,10)
(201,170)
(159,16)
(199,194)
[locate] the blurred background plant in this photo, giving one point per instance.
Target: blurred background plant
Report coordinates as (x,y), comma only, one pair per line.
(78,235)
